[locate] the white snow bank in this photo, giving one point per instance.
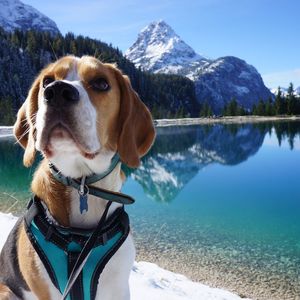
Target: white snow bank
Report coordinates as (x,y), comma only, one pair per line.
(148,281)
(7,221)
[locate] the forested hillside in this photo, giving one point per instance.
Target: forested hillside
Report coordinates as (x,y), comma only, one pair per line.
(23,55)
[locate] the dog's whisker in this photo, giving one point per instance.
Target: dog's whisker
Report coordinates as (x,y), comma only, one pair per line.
(32,118)
(100,56)
(53,50)
(18,140)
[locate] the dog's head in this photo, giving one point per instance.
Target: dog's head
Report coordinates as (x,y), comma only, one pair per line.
(79,112)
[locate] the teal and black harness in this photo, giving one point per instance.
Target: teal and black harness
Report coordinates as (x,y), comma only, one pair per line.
(75,258)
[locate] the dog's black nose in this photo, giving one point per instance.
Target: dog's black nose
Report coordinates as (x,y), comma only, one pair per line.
(60,93)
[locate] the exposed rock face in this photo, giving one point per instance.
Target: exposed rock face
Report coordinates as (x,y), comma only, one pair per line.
(230,77)
(14,14)
(159,49)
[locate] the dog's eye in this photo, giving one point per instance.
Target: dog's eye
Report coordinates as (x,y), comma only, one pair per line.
(47,80)
(99,84)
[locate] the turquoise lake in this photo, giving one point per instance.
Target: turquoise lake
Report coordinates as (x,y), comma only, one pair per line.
(218,203)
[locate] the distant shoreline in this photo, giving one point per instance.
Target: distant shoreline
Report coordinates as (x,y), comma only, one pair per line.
(6,131)
(223,120)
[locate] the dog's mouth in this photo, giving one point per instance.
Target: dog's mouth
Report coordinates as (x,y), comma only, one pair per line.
(60,134)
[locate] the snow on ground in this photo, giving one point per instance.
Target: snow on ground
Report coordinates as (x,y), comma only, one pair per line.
(148,281)
(7,221)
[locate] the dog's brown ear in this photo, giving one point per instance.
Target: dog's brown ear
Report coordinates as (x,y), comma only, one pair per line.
(24,128)
(136,125)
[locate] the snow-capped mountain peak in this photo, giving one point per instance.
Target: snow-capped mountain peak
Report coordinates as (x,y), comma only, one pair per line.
(284,91)
(15,14)
(159,49)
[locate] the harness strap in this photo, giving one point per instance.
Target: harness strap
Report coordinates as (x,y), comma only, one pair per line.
(77,289)
(55,234)
(109,234)
(84,254)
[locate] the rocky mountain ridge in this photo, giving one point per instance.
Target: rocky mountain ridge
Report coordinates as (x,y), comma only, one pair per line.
(159,49)
(15,14)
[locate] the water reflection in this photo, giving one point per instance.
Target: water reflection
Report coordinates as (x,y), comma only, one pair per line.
(179,153)
(289,131)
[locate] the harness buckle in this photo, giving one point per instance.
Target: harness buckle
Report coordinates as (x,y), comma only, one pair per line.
(49,233)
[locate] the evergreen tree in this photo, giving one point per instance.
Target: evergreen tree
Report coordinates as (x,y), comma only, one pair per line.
(279,103)
(180,114)
(261,108)
(32,44)
(205,110)
(241,111)
(73,49)
(155,111)
(291,100)
(224,110)
(254,110)
(269,107)
(297,109)
(209,112)
(232,108)
(6,112)
(24,54)
(15,39)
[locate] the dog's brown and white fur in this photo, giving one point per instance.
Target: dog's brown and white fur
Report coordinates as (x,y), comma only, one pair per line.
(80,139)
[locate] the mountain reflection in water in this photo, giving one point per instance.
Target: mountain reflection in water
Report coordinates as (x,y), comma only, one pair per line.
(177,155)
(180,152)
(226,209)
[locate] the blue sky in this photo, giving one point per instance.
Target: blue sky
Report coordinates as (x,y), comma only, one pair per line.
(265,33)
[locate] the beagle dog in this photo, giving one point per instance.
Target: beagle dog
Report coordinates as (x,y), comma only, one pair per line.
(79,113)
